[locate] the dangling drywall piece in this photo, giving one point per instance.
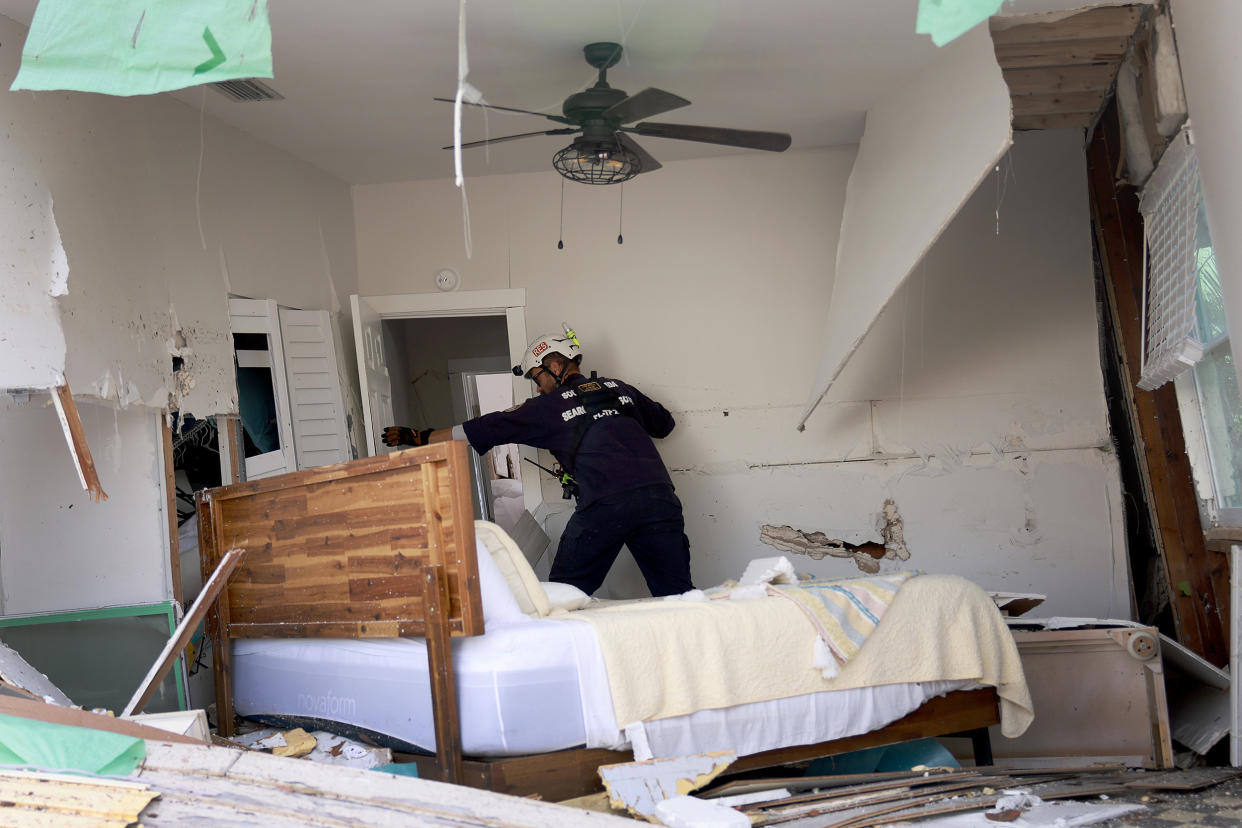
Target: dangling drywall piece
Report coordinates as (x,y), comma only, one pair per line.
(33,352)
(141,47)
(924,150)
(640,786)
(947,20)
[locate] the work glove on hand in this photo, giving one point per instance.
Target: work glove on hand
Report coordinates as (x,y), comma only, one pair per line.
(405,436)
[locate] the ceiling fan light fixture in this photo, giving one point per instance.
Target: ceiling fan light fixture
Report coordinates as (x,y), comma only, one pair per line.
(597,164)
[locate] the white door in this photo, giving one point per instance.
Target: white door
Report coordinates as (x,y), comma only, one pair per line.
(315,399)
(372,373)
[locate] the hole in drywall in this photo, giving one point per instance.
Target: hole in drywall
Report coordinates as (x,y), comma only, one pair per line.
(866,556)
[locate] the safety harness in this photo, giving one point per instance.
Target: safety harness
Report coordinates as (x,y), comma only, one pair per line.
(599,400)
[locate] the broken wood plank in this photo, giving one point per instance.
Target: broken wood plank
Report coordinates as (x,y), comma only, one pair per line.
(75,436)
(181,636)
(885,800)
(1194,779)
(75,717)
(799,783)
(34,798)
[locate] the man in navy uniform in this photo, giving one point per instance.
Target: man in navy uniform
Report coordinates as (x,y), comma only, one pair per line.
(599,430)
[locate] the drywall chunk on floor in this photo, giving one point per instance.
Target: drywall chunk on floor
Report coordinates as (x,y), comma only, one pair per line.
(640,786)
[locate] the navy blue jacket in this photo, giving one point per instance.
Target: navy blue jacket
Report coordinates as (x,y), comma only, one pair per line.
(616,453)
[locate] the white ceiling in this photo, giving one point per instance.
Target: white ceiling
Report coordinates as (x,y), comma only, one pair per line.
(359,77)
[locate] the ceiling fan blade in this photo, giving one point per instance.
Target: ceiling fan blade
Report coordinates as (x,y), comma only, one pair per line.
(556,118)
(646,104)
(771,141)
(648,161)
(485,142)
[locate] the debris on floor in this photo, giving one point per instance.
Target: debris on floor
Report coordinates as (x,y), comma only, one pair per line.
(640,786)
(989,795)
(318,746)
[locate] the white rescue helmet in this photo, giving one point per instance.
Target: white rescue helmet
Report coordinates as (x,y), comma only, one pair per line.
(565,344)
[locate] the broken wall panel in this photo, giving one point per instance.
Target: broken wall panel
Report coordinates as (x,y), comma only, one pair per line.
(1000,350)
(924,150)
(35,273)
(60,551)
(1048,523)
(155,242)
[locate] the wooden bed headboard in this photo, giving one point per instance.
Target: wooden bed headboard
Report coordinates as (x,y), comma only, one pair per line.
(380,547)
(338,551)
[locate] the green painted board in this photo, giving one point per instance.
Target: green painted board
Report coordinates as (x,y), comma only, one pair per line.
(98,657)
(142,47)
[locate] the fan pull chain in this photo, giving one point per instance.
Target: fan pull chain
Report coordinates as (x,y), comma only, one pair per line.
(621,215)
(560,233)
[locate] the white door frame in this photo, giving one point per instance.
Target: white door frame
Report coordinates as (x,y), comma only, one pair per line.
(262,316)
(507,302)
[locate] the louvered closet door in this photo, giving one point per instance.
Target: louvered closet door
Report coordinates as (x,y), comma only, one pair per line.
(316,403)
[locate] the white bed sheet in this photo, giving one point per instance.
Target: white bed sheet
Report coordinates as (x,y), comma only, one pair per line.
(531,687)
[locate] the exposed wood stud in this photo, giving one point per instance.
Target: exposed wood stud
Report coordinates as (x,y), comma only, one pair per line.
(170,505)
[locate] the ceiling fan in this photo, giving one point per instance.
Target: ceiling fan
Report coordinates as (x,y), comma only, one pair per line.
(605,153)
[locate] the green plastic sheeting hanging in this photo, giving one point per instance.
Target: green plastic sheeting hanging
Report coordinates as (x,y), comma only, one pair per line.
(30,742)
(947,20)
(140,47)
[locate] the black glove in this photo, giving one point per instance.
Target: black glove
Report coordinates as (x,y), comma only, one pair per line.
(405,436)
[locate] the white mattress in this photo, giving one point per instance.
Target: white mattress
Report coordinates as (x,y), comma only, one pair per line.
(531,687)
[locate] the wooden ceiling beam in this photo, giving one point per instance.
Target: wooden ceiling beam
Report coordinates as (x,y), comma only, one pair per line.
(1098,78)
(1109,21)
(1057,103)
(1097,50)
(1065,119)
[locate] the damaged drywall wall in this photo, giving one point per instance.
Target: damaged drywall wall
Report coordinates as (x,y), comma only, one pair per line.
(975,403)
(61,551)
(866,555)
(150,199)
(926,146)
(33,273)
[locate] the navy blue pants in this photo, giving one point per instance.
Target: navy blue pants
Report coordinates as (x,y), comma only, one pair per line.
(647,520)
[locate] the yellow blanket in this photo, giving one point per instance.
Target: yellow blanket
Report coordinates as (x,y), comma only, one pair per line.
(670,658)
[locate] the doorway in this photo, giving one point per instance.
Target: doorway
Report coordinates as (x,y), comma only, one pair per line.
(434,360)
(445,370)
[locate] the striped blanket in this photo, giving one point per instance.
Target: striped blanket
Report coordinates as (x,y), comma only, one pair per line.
(843,611)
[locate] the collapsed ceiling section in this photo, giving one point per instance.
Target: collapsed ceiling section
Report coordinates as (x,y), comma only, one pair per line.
(1059,68)
(925,148)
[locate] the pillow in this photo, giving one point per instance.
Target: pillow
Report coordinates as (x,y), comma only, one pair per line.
(564,596)
(514,568)
(499,605)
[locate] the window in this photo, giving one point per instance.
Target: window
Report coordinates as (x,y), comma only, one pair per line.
(1212,406)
